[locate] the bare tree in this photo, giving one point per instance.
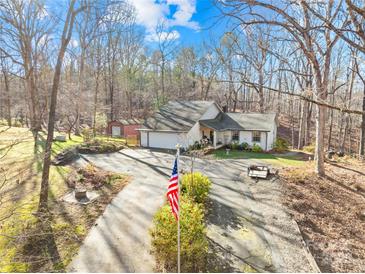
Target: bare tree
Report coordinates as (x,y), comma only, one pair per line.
(22,40)
(65,40)
(309,35)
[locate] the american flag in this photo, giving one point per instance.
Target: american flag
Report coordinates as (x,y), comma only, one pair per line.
(173,191)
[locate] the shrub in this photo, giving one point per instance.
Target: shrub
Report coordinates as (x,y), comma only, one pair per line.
(245,146)
(101,122)
(196,186)
(280,145)
(197,145)
(256,148)
(193,241)
(87,134)
(310,148)
(235,145)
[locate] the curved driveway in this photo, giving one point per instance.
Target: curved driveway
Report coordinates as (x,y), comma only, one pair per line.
(247,226)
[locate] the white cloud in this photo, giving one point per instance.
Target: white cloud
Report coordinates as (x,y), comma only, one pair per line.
(151,13)
(184,12)
(154,37)
(74,43)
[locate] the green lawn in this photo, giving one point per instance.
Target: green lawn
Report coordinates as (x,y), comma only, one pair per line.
(21,166)
(273,159)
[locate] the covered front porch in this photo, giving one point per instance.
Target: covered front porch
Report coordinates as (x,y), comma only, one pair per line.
(214,137)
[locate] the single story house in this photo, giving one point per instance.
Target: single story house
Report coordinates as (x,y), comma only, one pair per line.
(186,122)
(124,128)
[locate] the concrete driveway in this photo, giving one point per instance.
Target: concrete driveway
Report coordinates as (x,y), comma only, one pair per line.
(248,228)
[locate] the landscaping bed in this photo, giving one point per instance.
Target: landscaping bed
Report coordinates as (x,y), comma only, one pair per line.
(328,211)
(99,146)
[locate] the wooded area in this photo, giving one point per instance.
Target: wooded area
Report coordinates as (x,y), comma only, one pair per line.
(90,62)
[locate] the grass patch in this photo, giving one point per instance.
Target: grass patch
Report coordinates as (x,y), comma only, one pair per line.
(273,159)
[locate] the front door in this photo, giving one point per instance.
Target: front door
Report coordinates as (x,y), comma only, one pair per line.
(211,136)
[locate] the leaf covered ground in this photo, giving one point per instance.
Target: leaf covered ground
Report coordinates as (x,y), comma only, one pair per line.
(328,211)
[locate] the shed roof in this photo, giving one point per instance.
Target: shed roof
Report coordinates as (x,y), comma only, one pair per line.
(177,116)
(133,121)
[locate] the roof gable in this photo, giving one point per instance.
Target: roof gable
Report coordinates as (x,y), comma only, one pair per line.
(177,115)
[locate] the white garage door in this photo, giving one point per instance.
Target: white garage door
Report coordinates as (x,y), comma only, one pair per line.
(164,139)
(116,131)
(144,139)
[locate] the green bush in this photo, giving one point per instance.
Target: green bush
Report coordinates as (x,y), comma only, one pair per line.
(245,146)
(87,134)
(196,186)
(280,145)
(193,240)
(101,122)
(310,148)
(235,145)
(256,148)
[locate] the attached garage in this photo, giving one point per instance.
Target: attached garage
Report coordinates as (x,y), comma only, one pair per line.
(176,123)
(167,140)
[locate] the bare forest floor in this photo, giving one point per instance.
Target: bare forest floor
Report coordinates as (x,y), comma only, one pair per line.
(328,211)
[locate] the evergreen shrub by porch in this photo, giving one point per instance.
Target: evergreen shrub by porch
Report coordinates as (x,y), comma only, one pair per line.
(245,146)
(235,145)
(193,240)
(256,148)
(195,186)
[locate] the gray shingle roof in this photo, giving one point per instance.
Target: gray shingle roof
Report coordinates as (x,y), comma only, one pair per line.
(241,121)
(221,122)
(177,115)
(255,121)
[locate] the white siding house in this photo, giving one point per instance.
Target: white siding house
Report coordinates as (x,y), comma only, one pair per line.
(187,122)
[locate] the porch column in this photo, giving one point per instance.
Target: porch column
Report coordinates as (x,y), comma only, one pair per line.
(214,139)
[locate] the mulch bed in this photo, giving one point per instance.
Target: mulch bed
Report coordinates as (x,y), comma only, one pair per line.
(328,212)
(57,240)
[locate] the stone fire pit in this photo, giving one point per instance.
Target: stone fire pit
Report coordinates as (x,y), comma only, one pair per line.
(80,196)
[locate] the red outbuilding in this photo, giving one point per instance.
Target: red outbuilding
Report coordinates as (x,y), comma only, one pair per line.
(124,128)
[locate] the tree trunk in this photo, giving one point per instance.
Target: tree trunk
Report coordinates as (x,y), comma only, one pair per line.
(7,99)
(66,36)
(319,149)
(301,124)
(80,91)
(362,128)
(95,102)
(331,125)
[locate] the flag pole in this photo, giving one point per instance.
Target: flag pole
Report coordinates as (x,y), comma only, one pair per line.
(178,213)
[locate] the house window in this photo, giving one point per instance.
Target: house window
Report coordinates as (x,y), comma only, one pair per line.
(235,135)
(256,136)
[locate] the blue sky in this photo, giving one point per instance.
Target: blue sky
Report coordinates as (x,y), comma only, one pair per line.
(191,21)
